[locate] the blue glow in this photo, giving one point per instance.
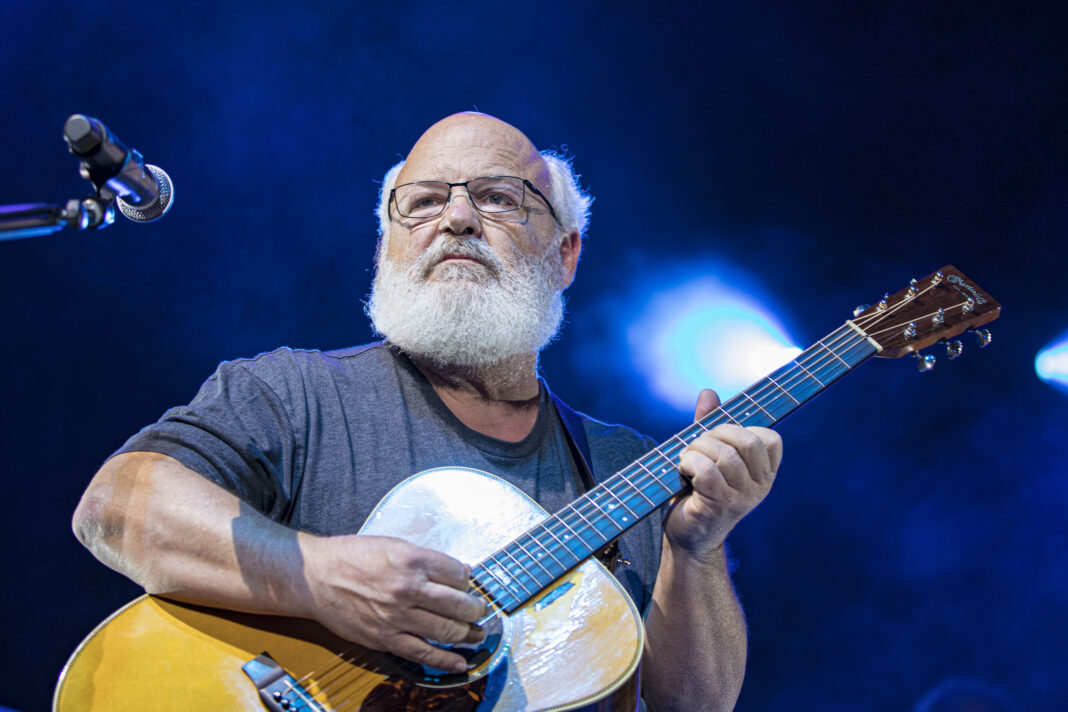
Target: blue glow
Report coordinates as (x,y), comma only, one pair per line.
(705,333)
(1051,364)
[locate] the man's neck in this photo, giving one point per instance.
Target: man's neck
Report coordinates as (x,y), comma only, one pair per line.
(499,400)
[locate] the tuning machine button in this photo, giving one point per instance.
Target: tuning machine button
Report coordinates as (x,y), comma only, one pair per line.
(926,362)
(953,348)
(860,309)
(983,337)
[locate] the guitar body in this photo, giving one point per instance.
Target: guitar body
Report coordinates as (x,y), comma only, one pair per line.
(577,643)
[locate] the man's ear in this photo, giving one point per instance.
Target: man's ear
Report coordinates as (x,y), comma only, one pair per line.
(570,248)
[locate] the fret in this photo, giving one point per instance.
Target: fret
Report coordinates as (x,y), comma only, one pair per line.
(723,409)
(488,586)
(500,574)
(583,518)
(535,559)
(548,530)
(758,406)
(746,417)
(589,523)
(810,375)
(621,502)
(522,570)
(585,548)
(682,441)
(607,516)
(788,394)
(653,475)
(631,485)
(670,461)
(832,353)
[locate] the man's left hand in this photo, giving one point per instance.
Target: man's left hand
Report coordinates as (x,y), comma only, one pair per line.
(730,470)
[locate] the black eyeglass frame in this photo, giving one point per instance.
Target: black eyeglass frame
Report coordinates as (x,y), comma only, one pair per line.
(526,184)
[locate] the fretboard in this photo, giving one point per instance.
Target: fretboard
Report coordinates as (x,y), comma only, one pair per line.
(528,564)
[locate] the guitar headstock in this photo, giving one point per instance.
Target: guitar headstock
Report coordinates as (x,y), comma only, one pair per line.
(936,308)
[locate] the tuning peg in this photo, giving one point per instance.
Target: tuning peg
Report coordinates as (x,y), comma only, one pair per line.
(912,289)
(953,348)
(982,337)
(926,362)
(860,309)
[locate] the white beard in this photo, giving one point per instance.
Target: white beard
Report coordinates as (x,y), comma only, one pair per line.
(469,315)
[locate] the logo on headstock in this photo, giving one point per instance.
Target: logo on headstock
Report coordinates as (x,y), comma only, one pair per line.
(976,295)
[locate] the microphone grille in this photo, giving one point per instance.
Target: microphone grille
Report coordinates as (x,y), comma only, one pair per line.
(158,207)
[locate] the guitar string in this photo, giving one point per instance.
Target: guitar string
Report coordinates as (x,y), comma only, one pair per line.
(593,502)
(639,490)
(850,335)
(326,685)
(631,490)
(874,318)
(628,494)
(338,664)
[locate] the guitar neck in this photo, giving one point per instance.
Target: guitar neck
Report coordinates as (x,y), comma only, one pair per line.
(528,564)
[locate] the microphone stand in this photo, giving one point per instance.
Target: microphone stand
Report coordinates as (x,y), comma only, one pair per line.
(92,213)
(35,219)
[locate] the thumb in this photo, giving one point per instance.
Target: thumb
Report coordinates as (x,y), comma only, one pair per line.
(707,401)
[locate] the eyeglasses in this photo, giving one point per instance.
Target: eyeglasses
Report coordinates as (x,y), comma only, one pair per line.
(490,194)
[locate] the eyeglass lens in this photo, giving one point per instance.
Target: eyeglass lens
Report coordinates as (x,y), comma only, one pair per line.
(427,199)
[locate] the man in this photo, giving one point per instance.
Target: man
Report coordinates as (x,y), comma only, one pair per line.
(467,290)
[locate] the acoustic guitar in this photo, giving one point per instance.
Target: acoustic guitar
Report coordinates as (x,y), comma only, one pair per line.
(562,632)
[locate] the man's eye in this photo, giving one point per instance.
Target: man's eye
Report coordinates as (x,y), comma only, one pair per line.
(422,202)
(498,200)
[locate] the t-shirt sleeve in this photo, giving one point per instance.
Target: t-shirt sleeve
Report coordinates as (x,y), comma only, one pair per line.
(237,433)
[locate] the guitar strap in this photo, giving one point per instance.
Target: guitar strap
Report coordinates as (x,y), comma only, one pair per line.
(576,440)
(580,454)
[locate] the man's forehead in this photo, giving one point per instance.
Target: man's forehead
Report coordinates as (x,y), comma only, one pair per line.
(465,146)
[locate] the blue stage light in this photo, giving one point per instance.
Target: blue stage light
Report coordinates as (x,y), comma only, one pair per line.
(705,333)
(1051,364)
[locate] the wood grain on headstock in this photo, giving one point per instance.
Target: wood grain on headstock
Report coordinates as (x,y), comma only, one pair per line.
(939,306)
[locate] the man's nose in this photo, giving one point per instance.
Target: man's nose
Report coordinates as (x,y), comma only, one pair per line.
(460,216)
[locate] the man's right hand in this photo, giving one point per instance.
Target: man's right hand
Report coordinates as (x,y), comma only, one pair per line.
(389,595)
(169,529)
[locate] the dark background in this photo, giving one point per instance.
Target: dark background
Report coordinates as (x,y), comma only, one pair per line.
(916,533)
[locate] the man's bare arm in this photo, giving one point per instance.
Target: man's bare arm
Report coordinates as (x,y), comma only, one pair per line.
(696,642)
(177,534)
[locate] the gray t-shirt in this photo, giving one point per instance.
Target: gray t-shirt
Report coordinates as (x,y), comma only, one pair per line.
(315,439)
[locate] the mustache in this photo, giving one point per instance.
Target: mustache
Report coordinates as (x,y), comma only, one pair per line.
(450,247)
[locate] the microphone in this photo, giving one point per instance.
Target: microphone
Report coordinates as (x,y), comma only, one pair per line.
(144,192)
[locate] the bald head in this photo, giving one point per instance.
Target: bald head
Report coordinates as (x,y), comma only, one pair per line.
(469,145)
(472,145)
